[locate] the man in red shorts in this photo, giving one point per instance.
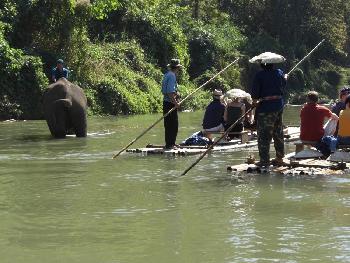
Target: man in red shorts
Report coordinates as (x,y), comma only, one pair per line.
(312,118)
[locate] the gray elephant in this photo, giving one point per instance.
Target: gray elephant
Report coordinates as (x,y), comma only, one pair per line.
(65,107)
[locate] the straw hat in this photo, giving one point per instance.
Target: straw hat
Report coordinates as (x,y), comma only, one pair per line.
(174,63)
(217,93)
(267,58)
(233,94)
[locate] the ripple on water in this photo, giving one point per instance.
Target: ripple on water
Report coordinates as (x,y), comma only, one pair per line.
(341,242)
(296,195)
(346,202)
(84,156)
(291,236)
(131,211)
(339,180)
(100,134)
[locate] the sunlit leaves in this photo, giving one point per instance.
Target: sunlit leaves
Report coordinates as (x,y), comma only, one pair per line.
(101,8)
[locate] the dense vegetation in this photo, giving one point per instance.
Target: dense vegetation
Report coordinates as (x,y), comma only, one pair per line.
(117,50)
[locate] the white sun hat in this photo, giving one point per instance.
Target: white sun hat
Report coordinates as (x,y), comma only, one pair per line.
(267,58)
(233,94)
(217,93)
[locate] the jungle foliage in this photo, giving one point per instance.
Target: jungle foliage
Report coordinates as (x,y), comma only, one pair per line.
(117,50)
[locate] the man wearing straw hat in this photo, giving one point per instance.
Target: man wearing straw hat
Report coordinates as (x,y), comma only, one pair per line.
(267,95)
(170,100)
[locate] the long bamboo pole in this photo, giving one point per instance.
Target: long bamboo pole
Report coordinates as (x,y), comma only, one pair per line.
(301,61)
(171,110)
(216,142)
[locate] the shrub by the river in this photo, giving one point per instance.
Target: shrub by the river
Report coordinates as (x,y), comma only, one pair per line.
(119,79)
(156,26)
(212,46)
(118,49)
(22,82)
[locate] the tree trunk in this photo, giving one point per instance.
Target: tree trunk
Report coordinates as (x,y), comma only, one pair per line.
(196,9)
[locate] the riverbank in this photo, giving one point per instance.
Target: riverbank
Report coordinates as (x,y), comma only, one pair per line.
(117,51)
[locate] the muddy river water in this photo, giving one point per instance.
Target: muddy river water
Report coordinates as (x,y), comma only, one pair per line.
(68,201)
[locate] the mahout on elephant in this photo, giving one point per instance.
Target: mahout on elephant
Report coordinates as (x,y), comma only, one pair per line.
(65,109)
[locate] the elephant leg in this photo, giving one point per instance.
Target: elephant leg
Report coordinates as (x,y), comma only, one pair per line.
(50,120)
(60,128)
(69,125)
(78,120)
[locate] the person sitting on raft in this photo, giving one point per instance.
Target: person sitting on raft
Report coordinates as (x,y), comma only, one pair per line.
(213,120)
(234,110)
(312,117)
(340,105)
(344,124)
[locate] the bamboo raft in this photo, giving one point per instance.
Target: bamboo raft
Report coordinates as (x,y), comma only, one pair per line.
(191,150)
(303,162)
(291,135)
(292,167)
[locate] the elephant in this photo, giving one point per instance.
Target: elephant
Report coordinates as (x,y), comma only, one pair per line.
(65,107)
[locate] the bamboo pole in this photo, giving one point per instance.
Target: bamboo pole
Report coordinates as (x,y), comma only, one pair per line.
(171,110)
(301,61)
(216,142)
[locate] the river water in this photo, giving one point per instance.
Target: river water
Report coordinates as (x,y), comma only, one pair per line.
(68,201)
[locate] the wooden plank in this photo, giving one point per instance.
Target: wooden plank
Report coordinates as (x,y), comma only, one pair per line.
(179,147)
(230,133)
(184,150)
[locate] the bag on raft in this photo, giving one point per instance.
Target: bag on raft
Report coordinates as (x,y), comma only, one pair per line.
(197,139)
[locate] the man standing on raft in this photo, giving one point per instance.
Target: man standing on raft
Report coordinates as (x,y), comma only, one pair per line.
(267,95)
(170,100)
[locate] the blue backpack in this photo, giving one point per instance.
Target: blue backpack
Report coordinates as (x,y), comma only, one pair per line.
(197,139)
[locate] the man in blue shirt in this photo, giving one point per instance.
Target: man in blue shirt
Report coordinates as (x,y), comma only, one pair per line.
(214,115)
(267,90)
(171,100)
(59,71)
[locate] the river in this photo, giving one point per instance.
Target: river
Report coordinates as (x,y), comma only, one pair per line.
(68,201)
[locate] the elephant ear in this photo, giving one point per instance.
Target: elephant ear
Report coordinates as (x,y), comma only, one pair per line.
(64,102)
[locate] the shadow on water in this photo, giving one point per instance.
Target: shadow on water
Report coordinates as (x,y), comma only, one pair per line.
(33,138)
